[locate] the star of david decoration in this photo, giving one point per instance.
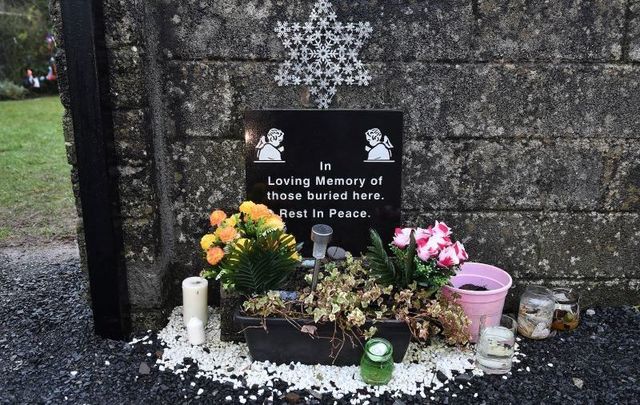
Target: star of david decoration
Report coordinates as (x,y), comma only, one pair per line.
(323,53)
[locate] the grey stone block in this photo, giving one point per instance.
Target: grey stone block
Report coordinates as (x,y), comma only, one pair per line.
(505,101)
(75,187)
(136,190)
(439,100)
(131,138)
(140,242)
(126,59)
(634,31)
(624,186)
(589,245)
(209,99)
(69,141)
(208,174)
(200,100)
(127,90)
(123,22)
(242,29)
(534,245)
(502,101)
(145,287)
(550,30)
(505,175)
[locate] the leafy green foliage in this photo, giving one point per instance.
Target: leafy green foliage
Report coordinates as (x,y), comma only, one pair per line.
(11,91)
(382,267)
(398,270)
(23,27)
(348,296)
(258,265)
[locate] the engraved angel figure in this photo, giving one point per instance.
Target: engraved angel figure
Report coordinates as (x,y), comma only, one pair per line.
(268,148)
(379,147)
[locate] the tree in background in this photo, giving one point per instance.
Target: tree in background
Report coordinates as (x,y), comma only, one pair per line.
(24,26)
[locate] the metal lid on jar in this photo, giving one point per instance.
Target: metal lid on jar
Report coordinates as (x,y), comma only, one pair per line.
(378,350)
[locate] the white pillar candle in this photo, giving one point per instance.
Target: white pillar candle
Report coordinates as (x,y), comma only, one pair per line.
(195,331)
(194,299)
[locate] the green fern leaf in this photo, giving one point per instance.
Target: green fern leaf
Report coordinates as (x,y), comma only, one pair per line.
(261,265)
(382,266)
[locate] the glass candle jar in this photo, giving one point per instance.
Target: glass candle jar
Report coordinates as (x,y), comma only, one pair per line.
(376,365)
(494,351)
(536,312)
(567,309)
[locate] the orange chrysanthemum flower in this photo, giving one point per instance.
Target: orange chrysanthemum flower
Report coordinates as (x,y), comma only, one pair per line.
(214,255)
(227,234)
(259,211)
(217,217)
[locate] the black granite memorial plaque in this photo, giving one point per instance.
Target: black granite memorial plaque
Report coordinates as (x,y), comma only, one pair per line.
(341,168)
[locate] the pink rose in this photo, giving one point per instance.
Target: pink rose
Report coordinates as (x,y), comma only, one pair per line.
(448,257)
(428,248)
(402,237)
(422,233)
(441,229)
(460,252)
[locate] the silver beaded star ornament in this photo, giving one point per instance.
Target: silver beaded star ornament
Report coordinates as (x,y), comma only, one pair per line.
(323,53)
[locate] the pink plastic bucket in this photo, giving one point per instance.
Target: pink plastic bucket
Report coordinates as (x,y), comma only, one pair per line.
(478,303)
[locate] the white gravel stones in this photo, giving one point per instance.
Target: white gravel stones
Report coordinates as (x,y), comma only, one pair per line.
(231,362)
(578,382)
(73,373)
(590,312)
(142,339)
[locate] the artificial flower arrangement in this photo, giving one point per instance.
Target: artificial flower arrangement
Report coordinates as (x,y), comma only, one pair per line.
(249,251)
(360,294)
(425,256)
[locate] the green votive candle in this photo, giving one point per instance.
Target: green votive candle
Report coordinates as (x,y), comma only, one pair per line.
(376,365)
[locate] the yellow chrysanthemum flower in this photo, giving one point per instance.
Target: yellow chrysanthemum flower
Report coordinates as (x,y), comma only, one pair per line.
(246,207)
(208,240)
(230,222)
(273,222)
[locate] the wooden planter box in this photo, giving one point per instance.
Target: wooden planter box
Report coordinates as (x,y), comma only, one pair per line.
(283,343)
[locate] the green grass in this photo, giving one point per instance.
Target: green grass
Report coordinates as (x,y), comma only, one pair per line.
(36,201)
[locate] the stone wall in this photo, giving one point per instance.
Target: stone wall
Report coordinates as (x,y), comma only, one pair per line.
(522,127)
